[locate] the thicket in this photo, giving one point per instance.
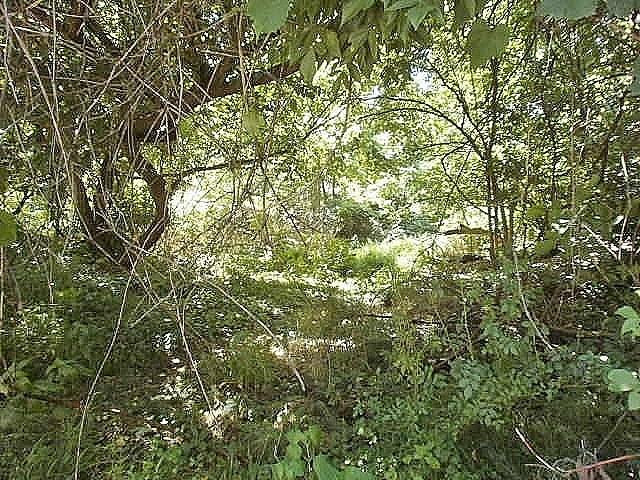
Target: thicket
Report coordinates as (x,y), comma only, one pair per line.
(319,239)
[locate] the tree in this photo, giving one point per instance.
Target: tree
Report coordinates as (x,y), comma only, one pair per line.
(94,84)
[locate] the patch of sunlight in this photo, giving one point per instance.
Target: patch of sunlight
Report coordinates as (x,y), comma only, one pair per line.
(191,200)
(371,193)
(422,79)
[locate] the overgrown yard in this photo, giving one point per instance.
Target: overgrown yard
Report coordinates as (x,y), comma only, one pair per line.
(322,240)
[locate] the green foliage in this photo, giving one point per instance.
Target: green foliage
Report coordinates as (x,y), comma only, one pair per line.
(308,66)
(635,86)
(571,9)
(253,122)
(622,8)
(485,43)
(407,252)
(465,10)
(301,458)
(8,228)
(268,15)
(622,380)
(631,321)
(354,7)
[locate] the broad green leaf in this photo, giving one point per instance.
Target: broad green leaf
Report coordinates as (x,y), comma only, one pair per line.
(631,326)
(8,228)
(570,9)
(400,4)
(314,434)
(308,66)
(622,380)
(358,37)
(536,211)
(354,7)
(4,179)
(631,321)
(485,43)
(353,473)
(635,86)
(294,451)
(295,436)
(332,43)
(268,15)
(253,122)
(544,247)
(418,13)
(324,469)
(634,400)
(622,8)
(464,10)
(288,469)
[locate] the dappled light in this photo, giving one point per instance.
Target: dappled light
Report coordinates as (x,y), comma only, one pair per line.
(320,240)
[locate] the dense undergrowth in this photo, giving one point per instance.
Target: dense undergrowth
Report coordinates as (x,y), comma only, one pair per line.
(420,374)
(319,240)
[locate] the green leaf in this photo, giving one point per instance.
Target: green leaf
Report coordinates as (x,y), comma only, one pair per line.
(8,228)
(353,473)
(570,9)
(400,4)
(623,8)
(332,43)
(288,469)
(4,179)
(544,247)
(622,380)
(485,43)
(464,10)
(293,452)
(253,122)
(324,469)
(354,7)
(631,323)
(314,434)
(268,15)
(308,66)
(634,400)
(418,13)
(635,86)
(295,436)
(536,211)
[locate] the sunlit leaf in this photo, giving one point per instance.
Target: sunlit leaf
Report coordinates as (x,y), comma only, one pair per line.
(268,15)
(354,7)
(570,9)
(253,121)
(622,380)
(485,43)
(634,400)
(631,323)
(418,13)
